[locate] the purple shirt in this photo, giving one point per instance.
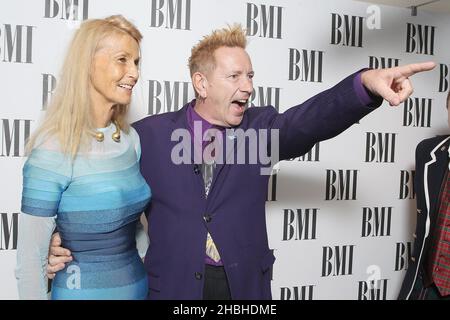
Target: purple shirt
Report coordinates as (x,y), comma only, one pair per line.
(193,117)
(363,94)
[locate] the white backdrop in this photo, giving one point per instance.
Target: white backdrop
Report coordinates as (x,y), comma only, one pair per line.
(329,237)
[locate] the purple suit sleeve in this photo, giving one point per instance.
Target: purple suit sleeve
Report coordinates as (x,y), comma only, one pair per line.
(323,116)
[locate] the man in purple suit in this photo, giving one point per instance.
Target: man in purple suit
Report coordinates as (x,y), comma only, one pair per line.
(207,225)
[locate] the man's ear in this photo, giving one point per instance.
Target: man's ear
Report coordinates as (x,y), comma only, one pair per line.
(200,82)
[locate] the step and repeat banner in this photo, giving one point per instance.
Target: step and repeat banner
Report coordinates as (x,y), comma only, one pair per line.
(341,218)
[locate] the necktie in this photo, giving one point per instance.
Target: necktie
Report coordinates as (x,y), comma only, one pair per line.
(207,173)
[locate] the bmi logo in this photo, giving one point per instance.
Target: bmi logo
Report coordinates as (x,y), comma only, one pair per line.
(417,112)
(305,65)
(420,39)
(373,289)
(347,30)
(8,231)
(407,190)
(380,147)
(14,134)
(402,255)
(48,87)
(266,96)
(171,14)
(376,222)
(264,21)
(16,43)
(312,155)
(444,77)
(166,96)
(383,62)
(297,293)
(77,10)
(300,224)
(337,260)
(341,184)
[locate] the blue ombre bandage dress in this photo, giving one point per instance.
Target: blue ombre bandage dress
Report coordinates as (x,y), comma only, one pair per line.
(95,201)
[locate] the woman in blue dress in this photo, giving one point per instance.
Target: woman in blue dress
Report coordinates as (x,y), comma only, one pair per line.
(82,175)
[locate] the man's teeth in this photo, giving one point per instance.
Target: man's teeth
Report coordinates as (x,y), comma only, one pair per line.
(126,86)
(241,102)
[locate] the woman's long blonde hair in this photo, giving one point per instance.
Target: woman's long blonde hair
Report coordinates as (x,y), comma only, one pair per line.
(69,115)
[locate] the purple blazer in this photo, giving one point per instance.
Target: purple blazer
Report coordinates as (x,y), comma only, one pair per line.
(179,216)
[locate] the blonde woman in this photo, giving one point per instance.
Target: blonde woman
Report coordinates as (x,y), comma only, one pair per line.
(82,174)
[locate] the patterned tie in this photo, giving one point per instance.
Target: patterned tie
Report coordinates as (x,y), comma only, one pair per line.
(207,173)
